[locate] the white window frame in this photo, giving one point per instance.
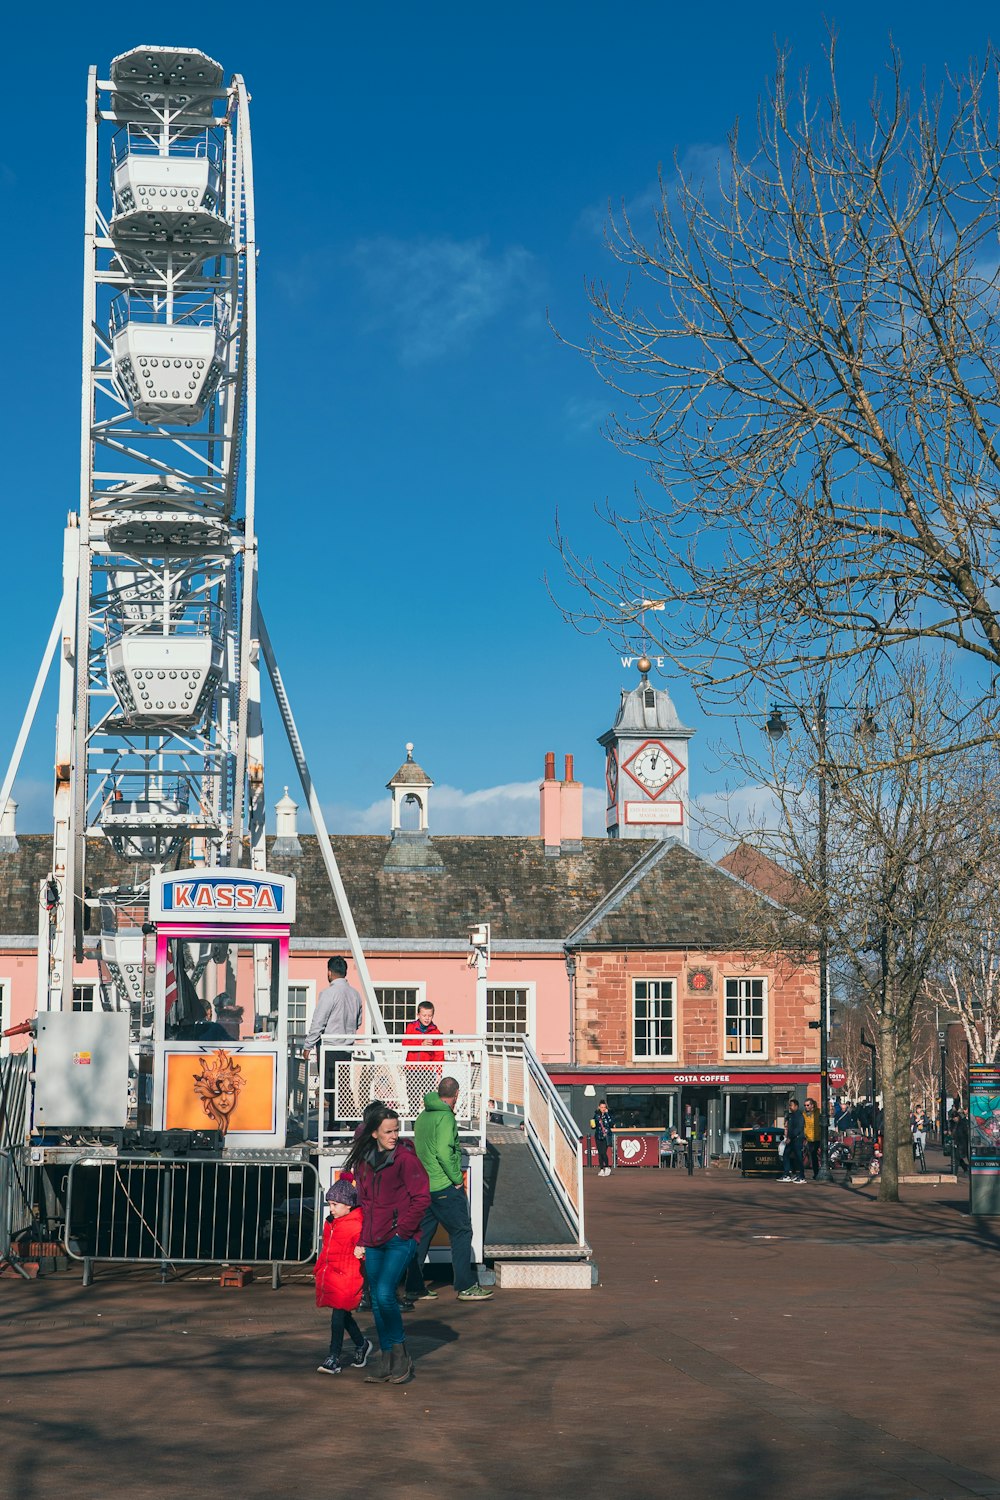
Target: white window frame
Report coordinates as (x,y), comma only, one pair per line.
(6,996)
(664,979)
(309,985)
(747,979)
(514,984)
(91,985)
(420,985)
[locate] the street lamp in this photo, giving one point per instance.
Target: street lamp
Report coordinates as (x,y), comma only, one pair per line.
(776,728)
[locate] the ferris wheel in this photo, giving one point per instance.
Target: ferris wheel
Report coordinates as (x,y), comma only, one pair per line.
(159,734)
(158,738)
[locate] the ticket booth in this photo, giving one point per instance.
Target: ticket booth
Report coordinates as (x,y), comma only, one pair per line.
(220,1059)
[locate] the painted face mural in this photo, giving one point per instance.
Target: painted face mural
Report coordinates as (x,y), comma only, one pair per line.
(218,1087)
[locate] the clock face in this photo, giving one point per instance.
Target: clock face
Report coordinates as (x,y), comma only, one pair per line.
(653,767)
(611,776)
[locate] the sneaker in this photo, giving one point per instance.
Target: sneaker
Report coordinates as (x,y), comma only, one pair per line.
(330,1366)
(786,1179)
(475,1293)
(427,1295)
(798,1179)
(360,1357)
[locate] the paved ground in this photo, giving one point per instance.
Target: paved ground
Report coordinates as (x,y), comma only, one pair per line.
(748,1339)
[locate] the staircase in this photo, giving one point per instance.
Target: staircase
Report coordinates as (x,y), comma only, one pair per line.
(533,1186)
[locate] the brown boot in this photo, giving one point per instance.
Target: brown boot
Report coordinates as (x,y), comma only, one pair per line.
(379,1369)
(400,1365)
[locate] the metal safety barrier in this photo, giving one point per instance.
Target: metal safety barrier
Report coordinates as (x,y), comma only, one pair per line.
(382,1073)
(14,1100)
(191,1211)
(520,1086)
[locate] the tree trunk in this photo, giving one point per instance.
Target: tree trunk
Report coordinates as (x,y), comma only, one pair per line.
(888,1189)
(904,1062)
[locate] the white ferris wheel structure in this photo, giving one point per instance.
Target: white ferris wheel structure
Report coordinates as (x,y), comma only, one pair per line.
(160,639)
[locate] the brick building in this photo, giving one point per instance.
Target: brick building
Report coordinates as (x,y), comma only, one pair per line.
(622,959)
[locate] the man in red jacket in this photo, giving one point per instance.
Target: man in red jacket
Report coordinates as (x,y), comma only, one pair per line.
(421,1035)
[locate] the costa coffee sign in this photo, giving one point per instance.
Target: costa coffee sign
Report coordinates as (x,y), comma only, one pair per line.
(234,897)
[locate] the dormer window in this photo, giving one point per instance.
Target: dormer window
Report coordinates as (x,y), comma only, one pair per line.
(649,697)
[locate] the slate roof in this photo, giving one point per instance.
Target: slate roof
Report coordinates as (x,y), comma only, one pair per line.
(766,875)
(674,898)
(677,899)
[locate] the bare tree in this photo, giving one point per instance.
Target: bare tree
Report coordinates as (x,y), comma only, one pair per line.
(895,883)
(967,988)
(807,355)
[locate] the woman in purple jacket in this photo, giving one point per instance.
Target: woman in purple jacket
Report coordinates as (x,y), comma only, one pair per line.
(393,1195)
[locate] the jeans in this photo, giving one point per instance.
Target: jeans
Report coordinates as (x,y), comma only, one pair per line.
(386,1264)
(793,1158)
(450,1208)
(339,1321)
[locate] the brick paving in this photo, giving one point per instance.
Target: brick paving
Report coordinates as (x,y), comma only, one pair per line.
(748,1339)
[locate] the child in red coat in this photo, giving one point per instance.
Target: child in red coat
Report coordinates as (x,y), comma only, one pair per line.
(338,1276)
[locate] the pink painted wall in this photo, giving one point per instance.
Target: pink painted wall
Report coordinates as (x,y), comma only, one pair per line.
(450,984)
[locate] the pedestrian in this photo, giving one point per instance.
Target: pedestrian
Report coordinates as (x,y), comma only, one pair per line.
(794,1138)
(337,1018)
(394,1197)
(602,1126)
(338,1276)
(420,1037)
(838,1110)
(960,1137)
(811,1128)
(435,1136)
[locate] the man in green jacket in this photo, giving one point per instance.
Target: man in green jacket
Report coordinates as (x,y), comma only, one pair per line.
(435,1136)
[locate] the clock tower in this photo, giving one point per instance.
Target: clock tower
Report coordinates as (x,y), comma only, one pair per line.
(646,766)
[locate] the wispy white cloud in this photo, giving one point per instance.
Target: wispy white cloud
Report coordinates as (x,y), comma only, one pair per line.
(511,808)
(718,819)
(584,415)
(434,295)
(699,166)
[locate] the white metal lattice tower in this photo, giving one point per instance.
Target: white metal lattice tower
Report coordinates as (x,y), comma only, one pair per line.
(158,739)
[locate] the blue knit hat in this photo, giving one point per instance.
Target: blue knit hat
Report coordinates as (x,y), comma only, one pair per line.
(343,1191)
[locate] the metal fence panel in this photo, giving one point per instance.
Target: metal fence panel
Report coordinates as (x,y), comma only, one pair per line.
(13,1100)
(192,1211)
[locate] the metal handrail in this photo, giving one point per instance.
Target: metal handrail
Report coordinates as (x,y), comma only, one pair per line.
(559,1118)
(188,310)
(130,141)
(390,1062)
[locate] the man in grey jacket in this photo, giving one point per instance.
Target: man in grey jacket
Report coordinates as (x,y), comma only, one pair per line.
(337,1017)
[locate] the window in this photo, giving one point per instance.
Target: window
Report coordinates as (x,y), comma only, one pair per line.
(653,1018)
(507,1012)
(301,1002)
(398,1004)
(745,1002)
(83,996)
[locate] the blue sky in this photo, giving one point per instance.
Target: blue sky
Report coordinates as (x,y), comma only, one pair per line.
(431,184)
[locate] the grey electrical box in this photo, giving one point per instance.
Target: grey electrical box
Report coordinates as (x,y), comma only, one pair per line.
(81,1069)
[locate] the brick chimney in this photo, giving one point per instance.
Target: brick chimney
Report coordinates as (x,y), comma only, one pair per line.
(561,809)
(571,806)
(550,796)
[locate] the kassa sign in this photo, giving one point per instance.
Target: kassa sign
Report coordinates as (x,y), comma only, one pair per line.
(218,896)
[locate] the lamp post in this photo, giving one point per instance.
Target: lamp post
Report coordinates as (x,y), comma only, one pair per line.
(777,727)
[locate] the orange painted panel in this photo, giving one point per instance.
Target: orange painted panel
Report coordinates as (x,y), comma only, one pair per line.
(216,1089)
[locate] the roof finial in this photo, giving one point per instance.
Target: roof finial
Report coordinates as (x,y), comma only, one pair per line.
(645,667)
(409,749)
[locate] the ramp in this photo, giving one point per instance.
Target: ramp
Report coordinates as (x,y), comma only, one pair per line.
(521,1214)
